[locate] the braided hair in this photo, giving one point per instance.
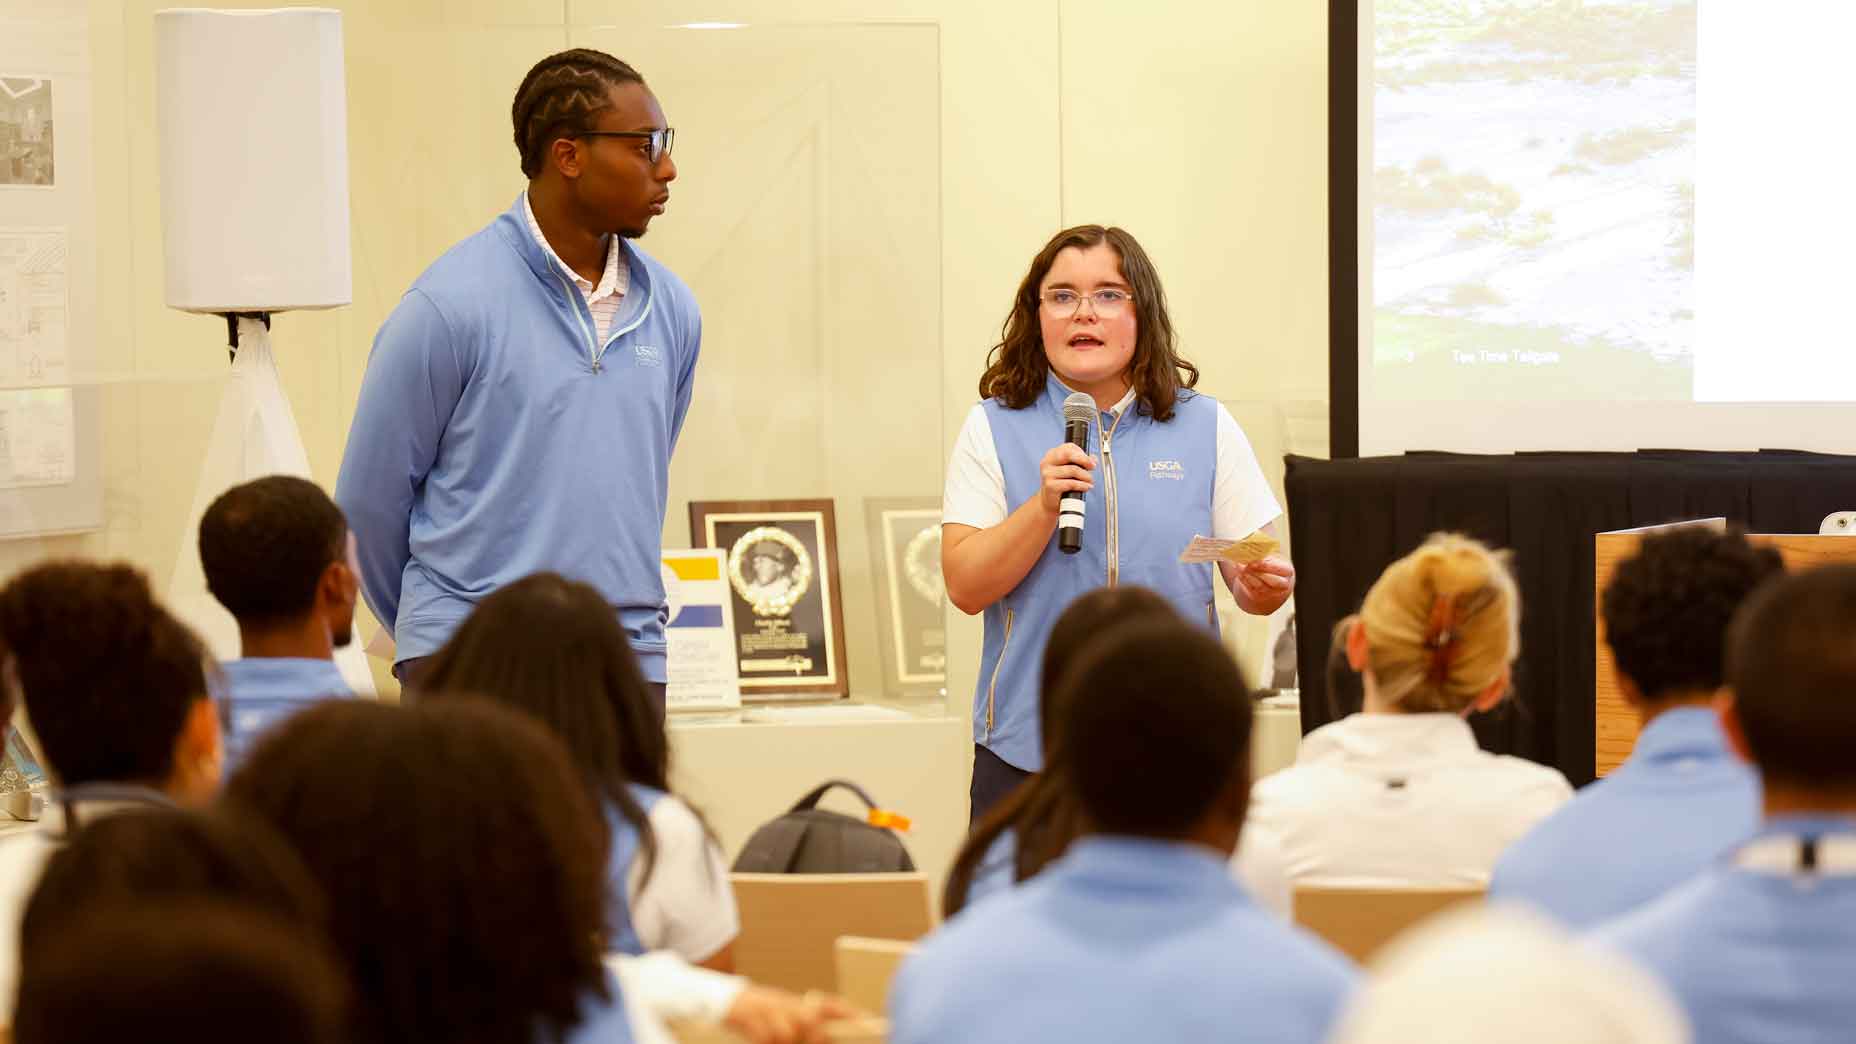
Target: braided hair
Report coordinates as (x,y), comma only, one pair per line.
(560,96)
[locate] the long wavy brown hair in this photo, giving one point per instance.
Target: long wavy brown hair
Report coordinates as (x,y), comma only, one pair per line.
(1016,367)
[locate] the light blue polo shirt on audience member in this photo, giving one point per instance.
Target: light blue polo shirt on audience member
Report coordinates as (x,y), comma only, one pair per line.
(261,691)
(601,1022)
(1757,948)
(1122,939)
(1679,803)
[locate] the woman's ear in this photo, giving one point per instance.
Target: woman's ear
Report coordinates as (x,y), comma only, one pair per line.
(1493,695)
(1356,646)
(1488,698)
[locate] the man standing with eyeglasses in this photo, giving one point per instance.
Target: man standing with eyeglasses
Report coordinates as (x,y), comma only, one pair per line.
(522,401)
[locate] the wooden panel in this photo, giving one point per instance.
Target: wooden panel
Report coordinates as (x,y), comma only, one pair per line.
(1616,720)
(790,923)
(1360,921)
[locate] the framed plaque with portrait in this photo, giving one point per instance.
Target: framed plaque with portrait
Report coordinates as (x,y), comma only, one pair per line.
(905,551)
(782,571)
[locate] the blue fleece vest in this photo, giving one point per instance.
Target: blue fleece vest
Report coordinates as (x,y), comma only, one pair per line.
(1153,492)
(621,933)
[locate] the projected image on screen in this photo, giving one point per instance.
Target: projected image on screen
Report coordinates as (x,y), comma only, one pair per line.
(1533,199)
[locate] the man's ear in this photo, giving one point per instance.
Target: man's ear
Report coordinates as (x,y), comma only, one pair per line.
(199,754)
(337,586)
(1628,689)
(567,155)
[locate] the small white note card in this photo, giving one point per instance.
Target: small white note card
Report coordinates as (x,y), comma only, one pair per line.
(1205,549)
(1210,549)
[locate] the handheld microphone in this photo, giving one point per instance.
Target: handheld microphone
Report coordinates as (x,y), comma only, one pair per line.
(1078,410)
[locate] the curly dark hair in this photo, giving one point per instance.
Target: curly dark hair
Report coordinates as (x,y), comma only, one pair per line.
(265,545)
(1667,607)
(1016,367)
(1791,661)
(553,648)
(1040,813)
(109,677)
(199,970)
(156,857)
(463,861)
(559,98)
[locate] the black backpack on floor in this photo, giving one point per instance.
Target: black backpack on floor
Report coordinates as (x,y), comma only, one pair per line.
(811,840)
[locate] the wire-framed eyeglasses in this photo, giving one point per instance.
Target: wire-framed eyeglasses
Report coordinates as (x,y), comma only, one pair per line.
(1108,302)
(662,140)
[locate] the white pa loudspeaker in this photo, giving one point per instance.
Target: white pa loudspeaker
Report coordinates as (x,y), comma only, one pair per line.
(252,119)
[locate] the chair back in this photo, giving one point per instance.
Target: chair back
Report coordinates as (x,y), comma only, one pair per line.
(1359,921)
(849,1031)
(790,923)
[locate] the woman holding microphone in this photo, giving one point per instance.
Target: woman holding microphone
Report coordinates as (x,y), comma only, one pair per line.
(1164,463)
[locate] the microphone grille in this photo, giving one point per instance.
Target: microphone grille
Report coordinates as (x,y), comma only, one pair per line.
(1079,406)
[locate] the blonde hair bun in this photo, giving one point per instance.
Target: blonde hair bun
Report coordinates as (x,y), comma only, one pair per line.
(1442,624)
(1452,565)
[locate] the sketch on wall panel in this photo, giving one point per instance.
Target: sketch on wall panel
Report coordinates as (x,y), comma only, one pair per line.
(37,421)
(51,361)
(26,131)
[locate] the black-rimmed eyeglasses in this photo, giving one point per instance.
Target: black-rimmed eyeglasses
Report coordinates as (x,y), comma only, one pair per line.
(661,140)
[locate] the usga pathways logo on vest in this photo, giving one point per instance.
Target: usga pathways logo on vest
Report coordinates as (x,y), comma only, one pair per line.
(1166,469)
(647,355)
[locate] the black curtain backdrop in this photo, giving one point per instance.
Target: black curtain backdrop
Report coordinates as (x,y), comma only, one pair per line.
(1349,519)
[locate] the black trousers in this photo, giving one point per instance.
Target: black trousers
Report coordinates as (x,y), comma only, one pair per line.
(993,779)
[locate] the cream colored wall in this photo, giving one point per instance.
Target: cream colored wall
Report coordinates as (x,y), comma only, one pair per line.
(1202,129)
(1200,126)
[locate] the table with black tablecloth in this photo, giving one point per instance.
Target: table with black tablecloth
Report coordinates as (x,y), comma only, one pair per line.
(1349,519)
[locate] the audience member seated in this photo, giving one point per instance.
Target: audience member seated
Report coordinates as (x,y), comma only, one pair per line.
(1138,931)
(278,555)
(186,973)
(1682,798)
(160,857)
(1039,809)
(1494,973)
(1761,946)
(463,864)
(553,649)
(1400,794)
(548,647)
(116,690)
